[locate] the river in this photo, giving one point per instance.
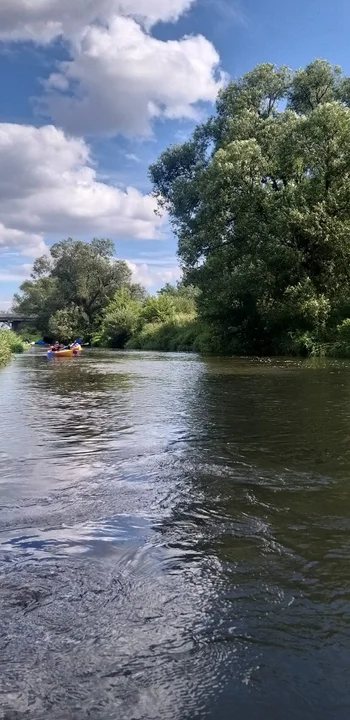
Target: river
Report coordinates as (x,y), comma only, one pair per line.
(174,538)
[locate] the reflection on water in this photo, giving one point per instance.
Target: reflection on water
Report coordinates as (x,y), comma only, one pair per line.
(174,538)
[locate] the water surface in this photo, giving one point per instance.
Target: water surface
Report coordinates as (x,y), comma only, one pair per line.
(174,538)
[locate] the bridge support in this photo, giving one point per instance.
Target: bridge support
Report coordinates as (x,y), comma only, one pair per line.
(15,324)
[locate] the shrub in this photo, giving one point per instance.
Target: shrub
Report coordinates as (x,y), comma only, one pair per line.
(9,343)
(183,333)
(120,320)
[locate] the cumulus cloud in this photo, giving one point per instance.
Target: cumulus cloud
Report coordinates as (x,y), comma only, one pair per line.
(118,77)
(18,241)
(49,187)
(124,78)
(45,20)
(153,276)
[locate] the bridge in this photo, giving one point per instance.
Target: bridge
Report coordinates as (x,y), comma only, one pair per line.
(14,320)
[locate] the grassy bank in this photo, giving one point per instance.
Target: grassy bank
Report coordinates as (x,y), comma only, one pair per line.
(185,333)
(9,343)
(182,333)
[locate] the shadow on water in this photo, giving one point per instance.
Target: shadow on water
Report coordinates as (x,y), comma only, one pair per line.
(174,538)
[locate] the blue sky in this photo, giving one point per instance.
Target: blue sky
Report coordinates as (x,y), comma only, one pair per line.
(92,91)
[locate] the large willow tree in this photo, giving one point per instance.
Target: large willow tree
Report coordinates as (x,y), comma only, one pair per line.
(71,286)
(260,201)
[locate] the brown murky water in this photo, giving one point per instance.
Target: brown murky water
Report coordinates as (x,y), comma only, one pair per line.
(174,538)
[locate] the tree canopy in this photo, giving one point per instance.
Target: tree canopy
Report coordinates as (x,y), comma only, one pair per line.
(259,198)
(71,286)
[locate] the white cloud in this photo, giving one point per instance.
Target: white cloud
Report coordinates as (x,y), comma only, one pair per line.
(26,243)
(48,187)
(44,20)
(132,157)
(15,273)
(151,276)
(120,78)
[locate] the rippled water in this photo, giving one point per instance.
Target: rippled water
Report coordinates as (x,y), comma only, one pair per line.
(174,538)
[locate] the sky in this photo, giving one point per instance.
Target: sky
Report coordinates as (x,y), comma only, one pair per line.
(92,91)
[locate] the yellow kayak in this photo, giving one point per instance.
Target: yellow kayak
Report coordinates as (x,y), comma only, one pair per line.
(64,353)
(68,352)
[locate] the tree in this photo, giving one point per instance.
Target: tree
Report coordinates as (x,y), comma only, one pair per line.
(157,309)
(184,297)
(38,297)
(319,83)
(71,286)
(65,324)
(121,317)
(259,199)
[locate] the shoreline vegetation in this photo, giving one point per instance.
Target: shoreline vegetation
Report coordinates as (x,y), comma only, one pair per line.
(259,200)
(10,343)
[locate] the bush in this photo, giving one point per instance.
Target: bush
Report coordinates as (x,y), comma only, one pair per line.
(5,352)
(183,333)
(157,310)
(120,319)
(29,335)
(340,347)
(9,343)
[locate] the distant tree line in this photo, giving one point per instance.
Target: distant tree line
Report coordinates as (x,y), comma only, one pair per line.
(80,290)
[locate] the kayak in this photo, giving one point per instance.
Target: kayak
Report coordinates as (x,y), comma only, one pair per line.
(63,353)
(68,352)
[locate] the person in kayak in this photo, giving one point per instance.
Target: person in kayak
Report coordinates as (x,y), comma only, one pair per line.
(57,346)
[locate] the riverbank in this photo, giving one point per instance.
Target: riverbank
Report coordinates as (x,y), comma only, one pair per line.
(191,334)
(179,317)
(9,343)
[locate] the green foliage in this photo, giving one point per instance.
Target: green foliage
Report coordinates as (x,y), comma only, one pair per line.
(340,346)
(167,322)
(39,298)
(65,325)
(120,318)
(319,83)
(12,340)
(259,198)
(182,333)
(5,351)
(27,334)
(157,309)
(260,201)
(184,297)
(9,343)
(71,287)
